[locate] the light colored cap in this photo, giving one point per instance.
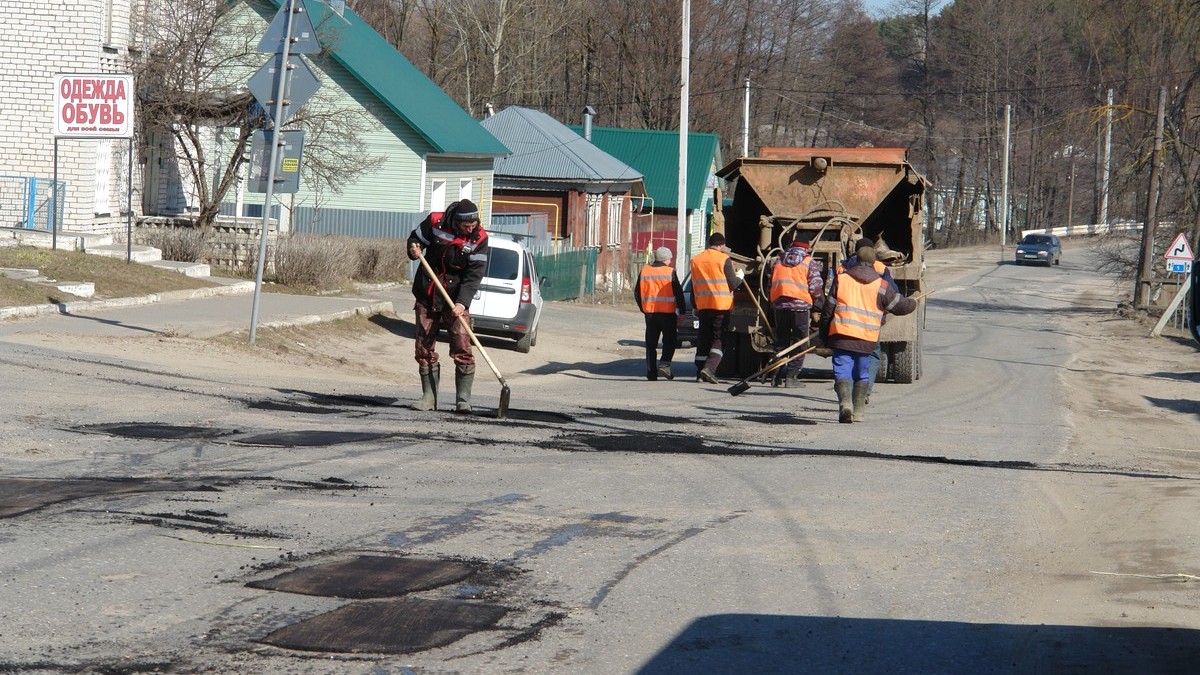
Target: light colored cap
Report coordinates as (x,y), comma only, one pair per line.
(662,254)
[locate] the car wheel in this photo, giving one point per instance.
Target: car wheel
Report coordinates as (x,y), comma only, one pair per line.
(524,343)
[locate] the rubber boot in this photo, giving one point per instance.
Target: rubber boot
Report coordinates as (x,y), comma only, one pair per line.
(845,409)
(464,377)
(861,391)
(429,387)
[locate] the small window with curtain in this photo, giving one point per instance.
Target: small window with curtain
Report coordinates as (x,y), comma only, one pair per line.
(614,221)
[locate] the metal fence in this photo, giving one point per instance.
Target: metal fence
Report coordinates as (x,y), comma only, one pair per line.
(29,202)
(571,274)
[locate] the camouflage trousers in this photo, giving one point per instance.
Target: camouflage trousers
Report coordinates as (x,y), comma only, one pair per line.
(429,322)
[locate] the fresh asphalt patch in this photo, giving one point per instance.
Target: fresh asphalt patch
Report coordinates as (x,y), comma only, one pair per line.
(368,576)
(22,495)
(394,626)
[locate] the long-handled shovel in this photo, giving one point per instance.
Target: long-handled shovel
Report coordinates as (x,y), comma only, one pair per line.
(745,383)
(502,409)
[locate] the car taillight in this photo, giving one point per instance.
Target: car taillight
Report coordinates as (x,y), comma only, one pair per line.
(526,290)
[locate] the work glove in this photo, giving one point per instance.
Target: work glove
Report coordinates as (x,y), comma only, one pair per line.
(740,274)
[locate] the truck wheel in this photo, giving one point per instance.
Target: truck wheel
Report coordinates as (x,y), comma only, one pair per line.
(525,343)
(904,362)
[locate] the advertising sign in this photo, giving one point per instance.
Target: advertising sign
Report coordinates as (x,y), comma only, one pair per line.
(96,105)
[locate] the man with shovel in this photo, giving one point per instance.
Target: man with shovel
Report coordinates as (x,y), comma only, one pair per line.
(456,247)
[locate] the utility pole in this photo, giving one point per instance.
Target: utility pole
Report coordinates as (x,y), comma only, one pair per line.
(746,121)
(684,75)
(1141,291)
(1071,194)
(1004,178)
(1105,170)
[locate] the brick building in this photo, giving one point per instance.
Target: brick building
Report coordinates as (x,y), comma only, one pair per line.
(42,38)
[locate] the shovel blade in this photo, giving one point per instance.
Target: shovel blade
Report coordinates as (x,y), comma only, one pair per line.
(502,409)
(738,388)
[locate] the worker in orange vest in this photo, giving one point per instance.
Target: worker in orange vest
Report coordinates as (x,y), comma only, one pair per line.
(796,290)
(858,300)
(713,282)
(660,297)
(883,266)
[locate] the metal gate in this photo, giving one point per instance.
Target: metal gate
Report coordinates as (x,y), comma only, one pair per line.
(571,274)
(29,202)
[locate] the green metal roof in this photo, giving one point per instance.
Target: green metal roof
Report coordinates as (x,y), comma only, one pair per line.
(656,155)
(399,85)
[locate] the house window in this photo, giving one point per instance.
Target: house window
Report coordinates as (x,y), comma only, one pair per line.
(466,188)
(591,237)
(103,167)
(437,200)
(614,221)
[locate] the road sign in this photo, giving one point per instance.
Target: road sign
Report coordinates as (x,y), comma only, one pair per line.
(287,161)
(1179,249)
(304,38)
(299,85)
(93,106)
(1179,266)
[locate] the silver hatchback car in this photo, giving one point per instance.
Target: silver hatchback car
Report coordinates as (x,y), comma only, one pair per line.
(508,303)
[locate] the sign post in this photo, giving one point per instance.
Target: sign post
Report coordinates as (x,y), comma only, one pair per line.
(290,31)
(99,106)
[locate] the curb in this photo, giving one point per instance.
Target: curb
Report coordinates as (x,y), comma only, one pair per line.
(308,320)
(167,296)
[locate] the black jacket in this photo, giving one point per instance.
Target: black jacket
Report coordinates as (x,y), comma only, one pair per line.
(458,260)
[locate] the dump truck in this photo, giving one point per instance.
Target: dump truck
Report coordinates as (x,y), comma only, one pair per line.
(833,198)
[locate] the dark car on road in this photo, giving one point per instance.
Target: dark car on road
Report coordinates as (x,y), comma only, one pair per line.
(1039,248)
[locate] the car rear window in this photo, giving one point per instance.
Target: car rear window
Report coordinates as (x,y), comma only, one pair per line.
(503,263)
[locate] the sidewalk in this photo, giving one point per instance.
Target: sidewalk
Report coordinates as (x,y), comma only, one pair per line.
(198,313)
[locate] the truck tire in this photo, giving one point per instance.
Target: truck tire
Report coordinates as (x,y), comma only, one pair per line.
(904,359)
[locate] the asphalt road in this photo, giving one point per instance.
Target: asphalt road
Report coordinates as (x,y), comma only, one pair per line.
(622,526)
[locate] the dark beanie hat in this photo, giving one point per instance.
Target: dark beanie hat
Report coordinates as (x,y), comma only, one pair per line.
(466,210)
(716,239)
(866,254)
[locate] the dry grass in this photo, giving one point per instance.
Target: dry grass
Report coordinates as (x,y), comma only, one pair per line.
(113,277)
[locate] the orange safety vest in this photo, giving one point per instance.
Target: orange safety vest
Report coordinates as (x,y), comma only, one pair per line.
(791,282)
(857,313)
(710,289)
(656,291)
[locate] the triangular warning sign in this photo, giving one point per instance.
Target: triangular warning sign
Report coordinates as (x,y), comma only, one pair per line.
(1179,249)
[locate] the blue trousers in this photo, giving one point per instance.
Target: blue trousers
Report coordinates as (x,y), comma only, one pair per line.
(851,366)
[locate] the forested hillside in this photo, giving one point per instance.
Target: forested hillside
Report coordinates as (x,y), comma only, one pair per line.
(934,78)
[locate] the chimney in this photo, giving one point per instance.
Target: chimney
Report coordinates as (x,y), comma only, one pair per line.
(588,113)
(490,110)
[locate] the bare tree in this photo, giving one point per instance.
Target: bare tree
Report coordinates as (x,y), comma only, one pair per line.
(192,86)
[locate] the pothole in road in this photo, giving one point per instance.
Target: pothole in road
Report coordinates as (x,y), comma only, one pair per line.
(647,443)
(274,439)
(775,419)
(306,438)
(368,577)
(394,626)
(151,430)
(22,495)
